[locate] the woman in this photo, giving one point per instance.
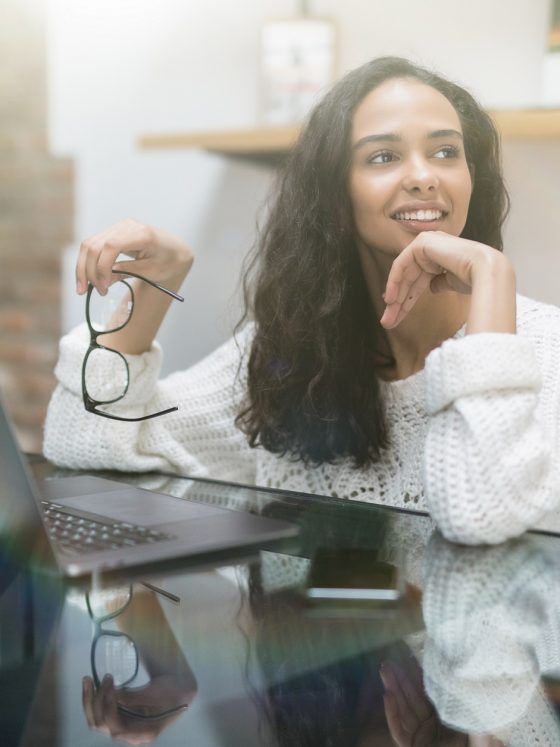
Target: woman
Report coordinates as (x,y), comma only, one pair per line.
(390,359)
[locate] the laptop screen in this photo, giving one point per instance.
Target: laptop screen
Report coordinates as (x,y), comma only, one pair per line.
(23,539)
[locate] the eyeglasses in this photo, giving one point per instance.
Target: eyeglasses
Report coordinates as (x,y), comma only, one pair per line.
(105,372)
(114,652)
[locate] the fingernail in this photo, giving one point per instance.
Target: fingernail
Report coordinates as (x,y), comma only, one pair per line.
(107,680)
(79,287)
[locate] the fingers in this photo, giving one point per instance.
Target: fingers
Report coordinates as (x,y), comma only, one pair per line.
(87,700)
(111,715)
(95,260)
(92,702)
(406,715)
(398,735)
(407,297)
(98,254)
(100,706)
(156,254)
(413,690)
(417,267)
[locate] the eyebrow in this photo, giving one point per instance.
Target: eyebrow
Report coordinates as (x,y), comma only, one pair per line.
(392,137)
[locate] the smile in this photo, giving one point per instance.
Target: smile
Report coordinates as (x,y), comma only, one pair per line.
(425,215)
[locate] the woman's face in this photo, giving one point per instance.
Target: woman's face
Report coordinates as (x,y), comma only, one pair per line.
(409,172)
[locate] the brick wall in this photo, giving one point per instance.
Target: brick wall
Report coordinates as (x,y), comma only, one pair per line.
(36,221)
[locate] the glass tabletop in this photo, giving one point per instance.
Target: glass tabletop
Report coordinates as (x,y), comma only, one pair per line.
(367,629)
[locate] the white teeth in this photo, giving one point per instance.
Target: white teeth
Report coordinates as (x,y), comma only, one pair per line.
(426,215)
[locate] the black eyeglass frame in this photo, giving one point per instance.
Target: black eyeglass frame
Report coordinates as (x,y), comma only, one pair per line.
(99,632)
(98,622)
(91,404)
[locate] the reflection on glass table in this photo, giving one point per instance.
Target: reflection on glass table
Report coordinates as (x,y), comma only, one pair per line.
(141,681)
(338,676)
(465,654)
(492,653)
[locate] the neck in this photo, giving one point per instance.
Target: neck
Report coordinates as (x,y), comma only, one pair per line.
(434,318)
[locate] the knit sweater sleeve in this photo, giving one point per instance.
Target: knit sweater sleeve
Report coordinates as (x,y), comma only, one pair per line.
(491,462)
(491,616)
(199,439)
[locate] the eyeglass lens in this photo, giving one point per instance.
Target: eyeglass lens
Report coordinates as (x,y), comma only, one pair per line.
(106,375)
(112,311)
(116,655)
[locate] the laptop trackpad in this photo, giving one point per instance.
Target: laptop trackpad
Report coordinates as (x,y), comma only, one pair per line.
(140,507)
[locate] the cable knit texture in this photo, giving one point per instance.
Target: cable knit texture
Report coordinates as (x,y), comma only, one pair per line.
(474,435)
(491,618)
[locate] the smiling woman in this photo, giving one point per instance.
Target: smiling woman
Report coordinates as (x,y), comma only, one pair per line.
(388,357)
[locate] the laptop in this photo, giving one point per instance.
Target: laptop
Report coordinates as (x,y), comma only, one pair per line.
(80,525)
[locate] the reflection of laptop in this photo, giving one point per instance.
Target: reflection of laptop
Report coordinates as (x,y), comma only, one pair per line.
(99,525)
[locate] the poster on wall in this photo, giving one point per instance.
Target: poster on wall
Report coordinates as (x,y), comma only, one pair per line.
(297,65)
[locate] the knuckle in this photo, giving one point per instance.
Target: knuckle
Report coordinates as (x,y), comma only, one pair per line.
(147,234)
(85,246)
(110,246)
(91,249)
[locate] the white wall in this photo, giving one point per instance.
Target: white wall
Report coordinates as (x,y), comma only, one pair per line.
(122,68)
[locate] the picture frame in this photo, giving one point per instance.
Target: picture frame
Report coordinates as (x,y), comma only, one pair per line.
(297,64)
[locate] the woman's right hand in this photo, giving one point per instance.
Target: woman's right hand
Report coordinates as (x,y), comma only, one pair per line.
(156,254)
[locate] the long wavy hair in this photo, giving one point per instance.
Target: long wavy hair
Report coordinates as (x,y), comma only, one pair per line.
(312,389)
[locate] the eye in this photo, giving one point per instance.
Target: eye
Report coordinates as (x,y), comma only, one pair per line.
(384,156)
(447,151)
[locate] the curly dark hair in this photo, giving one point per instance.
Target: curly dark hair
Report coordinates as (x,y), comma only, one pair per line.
(312,389)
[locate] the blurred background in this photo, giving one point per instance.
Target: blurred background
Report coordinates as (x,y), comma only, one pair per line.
(84,84)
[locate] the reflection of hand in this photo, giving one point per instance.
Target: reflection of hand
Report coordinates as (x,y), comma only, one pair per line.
(411,718)
(102,711)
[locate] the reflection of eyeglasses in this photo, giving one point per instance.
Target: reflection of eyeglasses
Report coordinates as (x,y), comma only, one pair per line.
(114,652)
(105,372)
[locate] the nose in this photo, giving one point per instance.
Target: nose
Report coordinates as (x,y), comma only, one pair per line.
(420,176)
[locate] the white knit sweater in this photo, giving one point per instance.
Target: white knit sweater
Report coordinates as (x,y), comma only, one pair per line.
(492,631)
(474,435)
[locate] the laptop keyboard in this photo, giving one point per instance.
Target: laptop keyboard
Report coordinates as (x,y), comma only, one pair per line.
(76,534)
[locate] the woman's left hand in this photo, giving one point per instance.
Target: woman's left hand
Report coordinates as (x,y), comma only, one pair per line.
(444,263)
(411,718)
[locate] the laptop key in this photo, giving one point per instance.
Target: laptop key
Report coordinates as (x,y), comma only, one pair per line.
(75,533)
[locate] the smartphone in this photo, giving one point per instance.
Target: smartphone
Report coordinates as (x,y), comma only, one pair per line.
(353,575)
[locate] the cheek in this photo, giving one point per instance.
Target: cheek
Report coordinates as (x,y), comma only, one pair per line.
(462,195)
(367,200)
(467,186)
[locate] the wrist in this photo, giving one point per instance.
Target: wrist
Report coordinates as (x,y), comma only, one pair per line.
(493,296)
(490,264)
(178,259)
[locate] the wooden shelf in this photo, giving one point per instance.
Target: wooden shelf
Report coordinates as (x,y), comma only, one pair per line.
(528,124)
(270,144)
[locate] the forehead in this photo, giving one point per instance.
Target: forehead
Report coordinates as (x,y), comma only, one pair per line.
(402,104)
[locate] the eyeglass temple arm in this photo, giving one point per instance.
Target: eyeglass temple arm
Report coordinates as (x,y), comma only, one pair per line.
(93,408)
(158,590)
(171,293)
